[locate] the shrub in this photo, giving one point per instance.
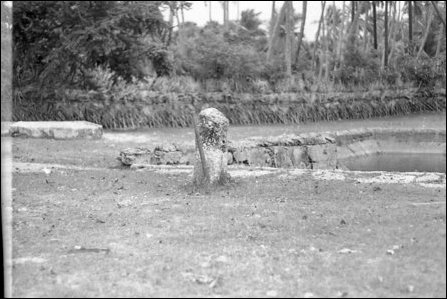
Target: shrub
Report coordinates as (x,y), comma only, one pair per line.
(423,72)
(209,55)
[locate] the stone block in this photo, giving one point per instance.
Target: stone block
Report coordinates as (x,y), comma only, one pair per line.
(323,155)
(138,155)
(299,157)
(282,157)
(56,129)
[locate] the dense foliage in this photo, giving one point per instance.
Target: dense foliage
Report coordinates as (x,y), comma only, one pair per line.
(115,51)
(59,42)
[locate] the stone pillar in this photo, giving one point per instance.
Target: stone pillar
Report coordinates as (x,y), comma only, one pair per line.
(212,127)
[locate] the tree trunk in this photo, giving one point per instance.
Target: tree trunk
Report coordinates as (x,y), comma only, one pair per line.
(324,55)
(300,38)
(225,14)
(317,35)
(182,13)
(210,10)
(385,49)
(326,51)
(289,33)
(435,6)
(275,34)
(339,54)
(375,24)
(272,19)
(365,32)
(354,25)
(393,32)
(427,31)
(352,11)
(238,11)
(441,36)
(410,22)
(171,25)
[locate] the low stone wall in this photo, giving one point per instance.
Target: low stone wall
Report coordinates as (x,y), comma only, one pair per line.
(304,151)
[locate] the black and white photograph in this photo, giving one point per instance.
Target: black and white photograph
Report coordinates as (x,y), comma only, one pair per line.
(235,149)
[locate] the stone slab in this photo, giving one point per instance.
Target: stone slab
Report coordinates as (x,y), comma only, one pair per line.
(56,129)
(5,125)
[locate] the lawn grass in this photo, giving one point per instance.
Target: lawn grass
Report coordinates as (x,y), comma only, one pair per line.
(257,237)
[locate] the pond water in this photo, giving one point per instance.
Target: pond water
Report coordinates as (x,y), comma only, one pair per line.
(400,162)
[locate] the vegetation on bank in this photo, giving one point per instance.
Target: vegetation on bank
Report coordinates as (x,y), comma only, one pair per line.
(112,54)
(145,109)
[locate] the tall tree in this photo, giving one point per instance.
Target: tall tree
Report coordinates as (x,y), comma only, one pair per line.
(410,22)
(385,48)
(393,31)
(272,19)
(341,37)
(274,37)
(317,35)
(352,11)
(365,26)
(426,32)
(289,37)
(435,6)
(375,24)
(225,6)
(300,37)
(210,9)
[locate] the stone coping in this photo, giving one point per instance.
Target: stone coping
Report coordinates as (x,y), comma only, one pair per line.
(56,129)
(307,150)
(335,137)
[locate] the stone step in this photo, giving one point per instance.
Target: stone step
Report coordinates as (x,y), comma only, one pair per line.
(56,129)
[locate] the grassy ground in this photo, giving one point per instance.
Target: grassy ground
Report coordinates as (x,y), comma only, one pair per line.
(121,233)
(146,234)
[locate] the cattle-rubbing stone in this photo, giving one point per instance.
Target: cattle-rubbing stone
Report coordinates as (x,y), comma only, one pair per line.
(212,127)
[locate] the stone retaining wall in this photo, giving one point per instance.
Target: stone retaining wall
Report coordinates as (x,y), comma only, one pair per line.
(309,150)
(150,109)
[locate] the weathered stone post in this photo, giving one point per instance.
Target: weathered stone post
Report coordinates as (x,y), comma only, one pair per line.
(212,127)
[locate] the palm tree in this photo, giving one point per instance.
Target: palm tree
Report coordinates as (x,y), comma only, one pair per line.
(375,24)
(225,5)
(427,31)
(341,37)
(272,18)
(289,36)
(317,35)
(300,38)
(276,32)
(435,6)
(385,49)
(209,9)
(410,22)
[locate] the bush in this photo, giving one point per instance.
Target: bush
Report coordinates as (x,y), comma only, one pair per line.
(209,55)
(423,72)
